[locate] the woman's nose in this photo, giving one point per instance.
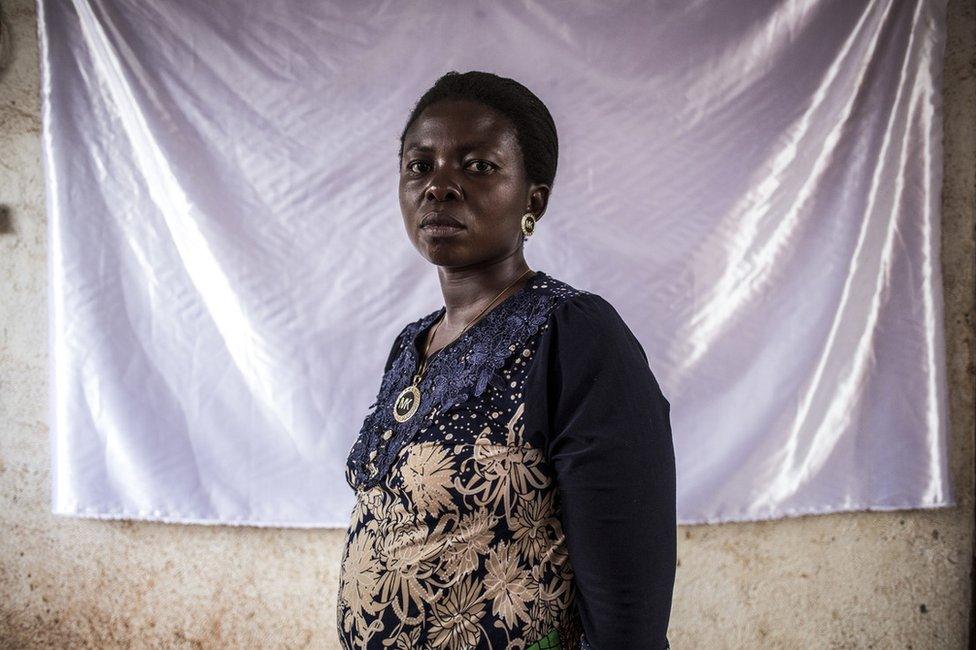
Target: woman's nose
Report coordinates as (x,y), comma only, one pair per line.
(443,186)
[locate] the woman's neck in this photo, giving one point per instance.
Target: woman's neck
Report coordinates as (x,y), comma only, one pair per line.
(469,290)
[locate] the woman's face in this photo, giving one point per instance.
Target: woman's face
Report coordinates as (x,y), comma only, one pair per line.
(461,158)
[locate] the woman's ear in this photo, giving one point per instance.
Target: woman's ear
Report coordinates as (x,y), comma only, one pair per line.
(538,199)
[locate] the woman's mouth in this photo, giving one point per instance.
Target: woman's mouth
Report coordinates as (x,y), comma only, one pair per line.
(437,223)
(442,229)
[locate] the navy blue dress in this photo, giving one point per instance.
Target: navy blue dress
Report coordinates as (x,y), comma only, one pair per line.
(529,502)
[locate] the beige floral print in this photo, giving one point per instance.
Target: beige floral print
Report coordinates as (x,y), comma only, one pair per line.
(457,615)
(508,585)
(553,598)
(425,557)
(369,502)
(504,472)
(467,544)
(428,472)
(358,579)
(409,553)
(532,526)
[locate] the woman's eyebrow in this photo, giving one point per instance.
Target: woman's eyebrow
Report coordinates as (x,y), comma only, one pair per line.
(421,148)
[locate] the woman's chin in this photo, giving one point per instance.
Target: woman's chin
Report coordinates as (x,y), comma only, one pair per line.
(444,252)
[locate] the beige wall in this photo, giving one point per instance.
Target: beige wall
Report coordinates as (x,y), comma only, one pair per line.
(866,580)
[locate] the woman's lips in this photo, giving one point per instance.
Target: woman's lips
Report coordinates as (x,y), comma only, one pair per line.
(441,230)
(440,217)
(440,223)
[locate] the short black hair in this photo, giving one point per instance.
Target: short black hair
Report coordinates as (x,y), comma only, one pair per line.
(534,127)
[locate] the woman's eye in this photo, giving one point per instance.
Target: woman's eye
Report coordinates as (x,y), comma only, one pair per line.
(477,165)
(487,165)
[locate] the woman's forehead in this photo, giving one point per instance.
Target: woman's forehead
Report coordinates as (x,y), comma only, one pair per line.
(456,124)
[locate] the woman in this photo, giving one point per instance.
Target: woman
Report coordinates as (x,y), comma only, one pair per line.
(515,482)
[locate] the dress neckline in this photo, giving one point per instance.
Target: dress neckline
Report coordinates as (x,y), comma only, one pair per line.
(452,378)
(428,321)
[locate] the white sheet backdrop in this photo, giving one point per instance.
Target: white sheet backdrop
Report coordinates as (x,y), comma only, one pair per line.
(755,186)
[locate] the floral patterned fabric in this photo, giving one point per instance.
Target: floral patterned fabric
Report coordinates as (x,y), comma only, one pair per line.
(456,539)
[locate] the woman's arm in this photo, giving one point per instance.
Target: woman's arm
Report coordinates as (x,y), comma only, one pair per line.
(611,447)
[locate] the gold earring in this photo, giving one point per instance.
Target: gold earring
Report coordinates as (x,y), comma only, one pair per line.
(528,224)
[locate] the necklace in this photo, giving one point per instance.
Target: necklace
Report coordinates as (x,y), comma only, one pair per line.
(408,401)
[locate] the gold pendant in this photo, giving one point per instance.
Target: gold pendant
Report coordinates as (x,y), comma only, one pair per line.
(407,403)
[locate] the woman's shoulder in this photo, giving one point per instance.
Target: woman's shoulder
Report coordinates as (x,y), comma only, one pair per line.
(586,307)
(586,320)
(569,298)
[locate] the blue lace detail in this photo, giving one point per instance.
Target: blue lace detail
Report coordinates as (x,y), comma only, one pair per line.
(461,370)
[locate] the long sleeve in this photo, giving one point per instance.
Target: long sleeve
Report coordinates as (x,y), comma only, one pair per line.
(610,445)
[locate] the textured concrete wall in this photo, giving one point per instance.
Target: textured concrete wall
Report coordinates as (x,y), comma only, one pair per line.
(865,580)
